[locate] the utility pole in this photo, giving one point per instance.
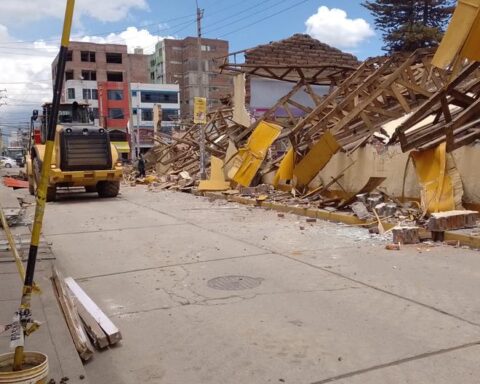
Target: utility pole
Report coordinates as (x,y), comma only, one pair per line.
(203,174)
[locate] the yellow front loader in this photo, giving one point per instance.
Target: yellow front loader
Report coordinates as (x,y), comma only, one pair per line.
(83,155)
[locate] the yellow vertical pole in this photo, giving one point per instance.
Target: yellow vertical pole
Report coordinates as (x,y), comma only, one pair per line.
(24,313)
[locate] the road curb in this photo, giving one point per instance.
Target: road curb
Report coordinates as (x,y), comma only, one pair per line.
(337,217)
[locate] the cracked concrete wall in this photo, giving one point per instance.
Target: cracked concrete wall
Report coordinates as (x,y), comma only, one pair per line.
(390,162)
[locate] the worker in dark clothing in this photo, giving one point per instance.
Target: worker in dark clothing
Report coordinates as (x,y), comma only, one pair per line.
(141,166)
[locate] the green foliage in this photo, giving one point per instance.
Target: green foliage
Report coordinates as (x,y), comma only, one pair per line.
(410,24)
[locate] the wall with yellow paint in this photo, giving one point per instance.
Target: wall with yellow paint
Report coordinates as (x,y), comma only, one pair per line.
(390,163)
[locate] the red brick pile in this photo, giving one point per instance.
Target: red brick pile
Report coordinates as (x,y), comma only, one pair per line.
(299,50)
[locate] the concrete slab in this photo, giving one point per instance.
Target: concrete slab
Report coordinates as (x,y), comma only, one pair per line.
(299,337)
(100,215)
(440,276)
(188,284)
(111,252)
(329,306)
(429,369)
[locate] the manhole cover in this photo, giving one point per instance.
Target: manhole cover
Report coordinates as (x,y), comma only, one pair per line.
(234,283)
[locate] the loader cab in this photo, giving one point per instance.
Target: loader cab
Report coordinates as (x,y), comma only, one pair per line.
(68,114)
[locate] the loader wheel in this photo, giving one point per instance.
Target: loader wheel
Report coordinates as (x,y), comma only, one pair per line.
(51,189)
(31,185)
(51,193)
(108,188)
(90,188)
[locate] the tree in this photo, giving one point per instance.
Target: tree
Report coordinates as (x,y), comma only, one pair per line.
(410,24)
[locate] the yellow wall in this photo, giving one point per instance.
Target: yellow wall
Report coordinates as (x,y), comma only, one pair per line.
(391,164)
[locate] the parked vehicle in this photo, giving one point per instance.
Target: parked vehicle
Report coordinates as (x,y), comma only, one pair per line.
(7,162)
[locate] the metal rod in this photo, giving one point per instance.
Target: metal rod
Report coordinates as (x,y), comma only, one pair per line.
(203,174)
(24,310)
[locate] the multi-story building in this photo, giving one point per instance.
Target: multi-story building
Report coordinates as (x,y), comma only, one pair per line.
(176,62)
(104,62)
(99,74)
(144,97)
(110,106)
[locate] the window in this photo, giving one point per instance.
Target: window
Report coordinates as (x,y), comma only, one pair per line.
(159,97)
(89,75)
(147,114)
(134,93)
(68,75)
(169,114)
(115,94)
(115,113)
(87,56)
(114,58)
(71,93)
(134,111)
(87,94)
(95,113)
(152,75)
(116,135)
(176,48)
(94,94)
(115,76)
(69,55)
(207,48)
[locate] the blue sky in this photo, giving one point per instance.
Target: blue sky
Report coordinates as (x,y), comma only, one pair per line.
(30,29)
(222,18)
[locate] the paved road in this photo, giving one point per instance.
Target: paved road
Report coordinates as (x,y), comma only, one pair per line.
(323,304)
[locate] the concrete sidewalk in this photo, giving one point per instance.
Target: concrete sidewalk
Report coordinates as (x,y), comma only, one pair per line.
(214,292)
(53,337)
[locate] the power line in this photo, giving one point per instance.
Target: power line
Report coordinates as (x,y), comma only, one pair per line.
(156,23)
(265,18)
(234,15)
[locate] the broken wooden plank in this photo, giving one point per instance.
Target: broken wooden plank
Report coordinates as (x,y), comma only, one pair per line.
(74,324)
(98,337)
(113,333)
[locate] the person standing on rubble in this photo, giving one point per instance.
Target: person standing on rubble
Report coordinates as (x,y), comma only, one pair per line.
(141,166)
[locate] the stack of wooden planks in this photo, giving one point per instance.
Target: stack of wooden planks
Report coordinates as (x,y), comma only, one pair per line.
(86,322)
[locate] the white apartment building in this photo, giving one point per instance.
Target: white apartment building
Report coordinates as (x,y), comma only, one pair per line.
(82,91)
(144,97)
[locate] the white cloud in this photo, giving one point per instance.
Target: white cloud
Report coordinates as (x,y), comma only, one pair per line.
(25,75)
(333,27)
(31,10)
(132,37)
(25,68)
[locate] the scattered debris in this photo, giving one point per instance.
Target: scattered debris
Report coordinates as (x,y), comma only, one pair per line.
(393,247)
(406,235)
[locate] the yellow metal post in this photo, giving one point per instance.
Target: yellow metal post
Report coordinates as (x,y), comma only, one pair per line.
(24,313)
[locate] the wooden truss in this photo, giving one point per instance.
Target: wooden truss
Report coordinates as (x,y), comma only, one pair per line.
(452,115)
(326,74)
(381,90)
(173,154)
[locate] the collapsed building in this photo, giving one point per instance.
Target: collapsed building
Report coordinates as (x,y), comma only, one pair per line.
(336,130)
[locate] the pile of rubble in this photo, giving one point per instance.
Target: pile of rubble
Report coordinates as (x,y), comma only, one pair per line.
(277,156)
